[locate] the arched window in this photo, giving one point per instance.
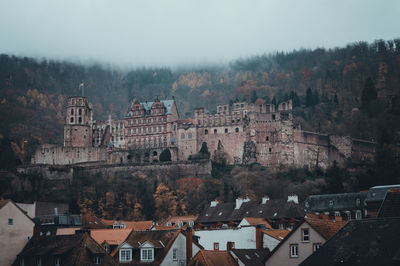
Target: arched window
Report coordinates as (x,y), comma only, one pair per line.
(237,129)
(189,135)
(72,120)
(226,130)
(215,131)
(72,111)
(183,136)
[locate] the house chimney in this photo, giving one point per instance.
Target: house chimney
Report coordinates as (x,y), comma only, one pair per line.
(214,203)
(240,201)
(55,211)
(259,237)
(189,243)
(293,198)
(264,199)
(229,246)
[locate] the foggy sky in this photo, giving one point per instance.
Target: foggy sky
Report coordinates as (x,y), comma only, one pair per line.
(171,32)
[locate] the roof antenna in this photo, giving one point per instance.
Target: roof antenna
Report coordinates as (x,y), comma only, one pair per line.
(82,85)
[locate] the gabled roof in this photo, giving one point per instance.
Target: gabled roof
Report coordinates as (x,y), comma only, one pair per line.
(378,193)
(277,234)
(138,238)
(325,227)
(168,104)
(75,249)
(361,242)
(332,202)
(251,257)
(4,202)
(272,209)
(211,258)
(391,205)
(111,236)
(91,221)
(258,221)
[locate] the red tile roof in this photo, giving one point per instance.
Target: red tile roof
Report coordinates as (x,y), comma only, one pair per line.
(326,228)
(111,236)
(211,258)
(277,234)
(258,221)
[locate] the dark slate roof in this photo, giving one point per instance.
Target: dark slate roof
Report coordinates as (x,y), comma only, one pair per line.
(162,240)
(147,106)
(391,205)
(272,209)
(361,242)
(378,193)
(251,257)
(75,249)
(47,208)
(343,201)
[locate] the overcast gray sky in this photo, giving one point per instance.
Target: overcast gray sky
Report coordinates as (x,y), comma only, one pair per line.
(171,32)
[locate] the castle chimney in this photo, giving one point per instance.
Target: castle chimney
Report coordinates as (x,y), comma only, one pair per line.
(259,237)
(240,201)
(293,198)
(189,243)
(264,199)
(214,203)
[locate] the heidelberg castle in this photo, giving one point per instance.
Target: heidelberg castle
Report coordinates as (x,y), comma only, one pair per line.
(246,132)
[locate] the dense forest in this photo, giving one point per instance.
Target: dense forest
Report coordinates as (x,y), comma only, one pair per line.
(352,90)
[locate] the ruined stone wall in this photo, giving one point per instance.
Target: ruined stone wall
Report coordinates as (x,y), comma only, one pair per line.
(311,149)
(59,155)
(363,150)
(139,156)
(232,138)
(186,142)
(47,171)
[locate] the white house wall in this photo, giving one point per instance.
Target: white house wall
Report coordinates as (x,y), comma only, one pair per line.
(244,238)
(13,237)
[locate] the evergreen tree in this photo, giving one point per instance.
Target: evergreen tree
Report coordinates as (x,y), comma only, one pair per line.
(309,98)
(204,149)
(335,99)
(368,94)
(253,97)
(165,156)
(334,179)
(295,99)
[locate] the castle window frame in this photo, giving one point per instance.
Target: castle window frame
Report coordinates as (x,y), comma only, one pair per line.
(80,111)
(226,131)
(72,111)
(183,136)
(190,136)
(72,120)
(269,150)
(273,117)
(215,131)
(206,132)
(236,129)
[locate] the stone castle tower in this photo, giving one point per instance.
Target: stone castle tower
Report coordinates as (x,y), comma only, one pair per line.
(78,122)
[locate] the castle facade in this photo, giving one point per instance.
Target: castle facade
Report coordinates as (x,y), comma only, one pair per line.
(244,132)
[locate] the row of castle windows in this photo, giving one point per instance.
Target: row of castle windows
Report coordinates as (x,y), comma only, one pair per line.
(79,111)
(79,120)
(216,131)
(147,130)
(218,121)
(148,141)
(189,136)
(143,121)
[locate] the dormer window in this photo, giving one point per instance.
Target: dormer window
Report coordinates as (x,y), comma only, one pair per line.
(115,225)
(147,254)
(180,223)
(191,223)
(97,260)
(169,224)
(125,255)
(122,225)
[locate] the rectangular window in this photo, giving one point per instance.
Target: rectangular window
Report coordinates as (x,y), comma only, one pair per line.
(216,246)
(146,254)
(316,246)
(10,221)
(125,255)
(97,260)
(57,261)
(175,254)
(305,235)
(358,215)
(294,250)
